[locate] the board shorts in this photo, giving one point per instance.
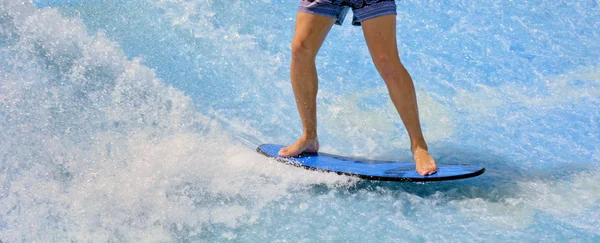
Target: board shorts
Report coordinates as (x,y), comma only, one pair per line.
(337,9)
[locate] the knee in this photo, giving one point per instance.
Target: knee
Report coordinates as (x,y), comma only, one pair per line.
(302,49)
(387,65)
(383,60)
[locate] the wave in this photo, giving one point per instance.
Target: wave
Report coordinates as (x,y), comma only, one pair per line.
(109,134)
(95,147)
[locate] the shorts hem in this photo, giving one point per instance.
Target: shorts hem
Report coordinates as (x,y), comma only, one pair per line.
(380,9)
(336,12)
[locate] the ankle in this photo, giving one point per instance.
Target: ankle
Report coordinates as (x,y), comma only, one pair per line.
(414,147)
(309,135)
(312,139)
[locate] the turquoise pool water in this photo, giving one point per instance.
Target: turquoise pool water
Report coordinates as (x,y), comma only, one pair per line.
(137,120)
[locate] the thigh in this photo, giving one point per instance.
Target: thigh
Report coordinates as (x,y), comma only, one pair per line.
(311,30)
(380,34)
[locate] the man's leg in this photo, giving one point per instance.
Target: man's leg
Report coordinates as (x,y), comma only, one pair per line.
(380,34)
(311,30)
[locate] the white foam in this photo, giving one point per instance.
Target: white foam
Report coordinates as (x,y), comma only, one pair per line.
(566,201)
(96,148)
(574,86)
(364,130)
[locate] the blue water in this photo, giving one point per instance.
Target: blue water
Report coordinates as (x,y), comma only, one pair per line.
(137,120)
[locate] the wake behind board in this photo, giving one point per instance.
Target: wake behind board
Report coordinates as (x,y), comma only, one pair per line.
(371,169)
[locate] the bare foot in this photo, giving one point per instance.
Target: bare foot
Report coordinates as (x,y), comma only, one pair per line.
(425,164)
(302,145)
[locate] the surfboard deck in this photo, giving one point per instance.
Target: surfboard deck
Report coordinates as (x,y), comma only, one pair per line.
(371,169)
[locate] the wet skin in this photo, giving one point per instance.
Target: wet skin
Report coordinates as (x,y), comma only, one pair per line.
(380,35)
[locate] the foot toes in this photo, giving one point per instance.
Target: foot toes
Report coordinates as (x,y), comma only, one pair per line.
(282,152)
(427,172)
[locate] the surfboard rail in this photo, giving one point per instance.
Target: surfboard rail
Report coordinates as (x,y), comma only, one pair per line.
(370,169)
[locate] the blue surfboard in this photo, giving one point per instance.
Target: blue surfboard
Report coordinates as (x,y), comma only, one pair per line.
(371,169)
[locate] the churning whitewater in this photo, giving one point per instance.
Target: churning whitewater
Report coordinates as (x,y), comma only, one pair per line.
(137,121)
